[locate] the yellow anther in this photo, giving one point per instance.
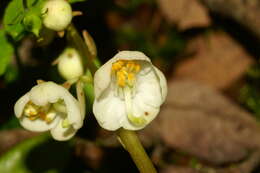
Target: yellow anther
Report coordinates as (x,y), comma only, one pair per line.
(117,65)
(121,74)
(42,115)
(121,78)
(50,117)
(30,110)
(125,71)
(130,65)
(34,117)
(137,68)
(121,83)
(131,76)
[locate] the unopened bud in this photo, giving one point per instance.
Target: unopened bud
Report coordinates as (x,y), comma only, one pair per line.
(69,64)
(57,14)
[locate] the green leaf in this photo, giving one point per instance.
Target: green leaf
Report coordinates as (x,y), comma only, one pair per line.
(32,20)
(19,18)
(75,1)
(33,23)
(40,154)
(6,52)
(89,90)
(13,16)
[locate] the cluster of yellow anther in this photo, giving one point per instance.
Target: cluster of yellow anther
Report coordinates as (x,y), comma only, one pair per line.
(125,71)
(33,112)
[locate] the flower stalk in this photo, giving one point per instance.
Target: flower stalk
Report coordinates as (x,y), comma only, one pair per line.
(134,147)
(76,40)
(81,96)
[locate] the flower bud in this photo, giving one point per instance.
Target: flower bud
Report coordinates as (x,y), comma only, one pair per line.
(70,65)
(57,14)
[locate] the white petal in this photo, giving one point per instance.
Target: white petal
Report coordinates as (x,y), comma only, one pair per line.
(163,83)
(109,111)
(37,125)
(102,76)
(148,88)
(20,104)
(73,111)
(61,134)
(141,109)
(46,92)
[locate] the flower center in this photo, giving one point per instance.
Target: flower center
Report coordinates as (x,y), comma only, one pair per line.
(34,112)
(125,72)
(45,113)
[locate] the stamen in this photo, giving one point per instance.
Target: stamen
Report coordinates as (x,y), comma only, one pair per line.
(121,78)
(137,68)
(42,115)
(131,78)
(50,117)
(31,110)
(117,65)
(125,72)
(130,66)
(60,106)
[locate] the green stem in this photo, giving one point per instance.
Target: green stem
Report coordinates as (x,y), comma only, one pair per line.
(81,97)
(76,40)
(132,144)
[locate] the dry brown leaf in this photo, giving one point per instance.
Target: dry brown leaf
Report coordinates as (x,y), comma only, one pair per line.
(185,13)
(200,121)
(217,60)
(176,169)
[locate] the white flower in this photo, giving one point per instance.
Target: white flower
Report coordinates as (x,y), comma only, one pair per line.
(129,91)
(48,106)
(70,65)
(57,14)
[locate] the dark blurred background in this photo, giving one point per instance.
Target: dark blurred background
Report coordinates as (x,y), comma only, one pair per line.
(208,49)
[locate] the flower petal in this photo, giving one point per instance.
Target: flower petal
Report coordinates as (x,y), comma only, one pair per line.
(102,76)
(163,83)
(73,111)
(20,104)
(61,134)
(109,111)
(148,88)
(141,109)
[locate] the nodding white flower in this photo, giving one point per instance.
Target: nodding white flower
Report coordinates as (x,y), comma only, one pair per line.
(70,65)
(57,14)
(48,106)
(129,91)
